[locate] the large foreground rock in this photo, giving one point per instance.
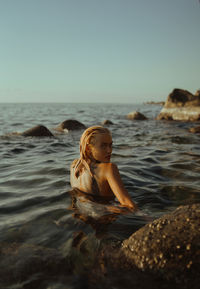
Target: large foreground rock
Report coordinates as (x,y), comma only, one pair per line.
(181,105)
(70,124)
(162,254)
(169,246)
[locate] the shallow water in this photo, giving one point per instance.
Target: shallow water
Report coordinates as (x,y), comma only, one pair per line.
(159,162)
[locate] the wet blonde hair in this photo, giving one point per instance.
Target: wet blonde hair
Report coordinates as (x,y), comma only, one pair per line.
(87,138)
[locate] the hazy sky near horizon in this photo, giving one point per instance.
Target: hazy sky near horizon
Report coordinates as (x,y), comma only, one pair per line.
(98,50)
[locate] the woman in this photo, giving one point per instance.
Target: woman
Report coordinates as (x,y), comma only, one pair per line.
(93,173)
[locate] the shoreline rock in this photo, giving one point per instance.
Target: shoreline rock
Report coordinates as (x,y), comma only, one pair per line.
(181,105)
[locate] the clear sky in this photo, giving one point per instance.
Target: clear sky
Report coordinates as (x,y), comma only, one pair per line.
(98,50)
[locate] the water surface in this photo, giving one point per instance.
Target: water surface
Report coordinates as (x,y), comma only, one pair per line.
(159,162)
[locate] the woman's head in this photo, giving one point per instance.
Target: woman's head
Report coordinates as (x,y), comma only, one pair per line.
(96,144)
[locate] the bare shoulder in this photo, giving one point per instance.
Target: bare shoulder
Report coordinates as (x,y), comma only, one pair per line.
(108,167)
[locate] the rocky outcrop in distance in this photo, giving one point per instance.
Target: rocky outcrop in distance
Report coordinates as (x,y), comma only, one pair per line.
(155,102)
(135,115)
(181,105)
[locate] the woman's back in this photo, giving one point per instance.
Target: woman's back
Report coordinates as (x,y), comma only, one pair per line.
(93,184)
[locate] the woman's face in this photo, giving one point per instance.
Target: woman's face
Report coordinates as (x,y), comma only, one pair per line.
(101,149)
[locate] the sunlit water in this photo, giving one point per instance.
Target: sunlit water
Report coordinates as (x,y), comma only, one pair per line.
(159,162)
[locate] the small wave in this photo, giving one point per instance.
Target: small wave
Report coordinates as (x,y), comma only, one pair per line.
(181,140)
(35,201)
(50,171)
(17,150)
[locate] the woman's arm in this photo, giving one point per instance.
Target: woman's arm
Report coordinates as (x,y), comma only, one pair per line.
(117,186)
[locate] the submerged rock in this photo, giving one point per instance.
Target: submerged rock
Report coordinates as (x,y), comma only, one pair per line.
(26,262)
(181,105)
(195,129)
(38,131)
(136,115)
(70,124)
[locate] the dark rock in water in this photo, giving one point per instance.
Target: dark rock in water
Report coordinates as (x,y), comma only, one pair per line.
(135,115)
(195,129)
(107,122)
(21,262)
(163,254)
(181,105)
(38,131)
(70,124)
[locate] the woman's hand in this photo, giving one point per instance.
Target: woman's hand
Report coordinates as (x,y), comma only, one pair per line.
(118,209)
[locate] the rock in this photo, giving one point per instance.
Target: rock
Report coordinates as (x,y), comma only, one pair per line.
(38,131)
(70,124)
(107,122)
(169,246)
(197,93)
(20,262)
(195,129)
(163,254)
(180,97)
(181,105)
(155,102)
(136,115)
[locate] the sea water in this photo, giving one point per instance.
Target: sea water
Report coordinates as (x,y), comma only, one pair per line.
(159,162)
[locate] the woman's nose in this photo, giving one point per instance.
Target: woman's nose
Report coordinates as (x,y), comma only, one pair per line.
(109,149)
